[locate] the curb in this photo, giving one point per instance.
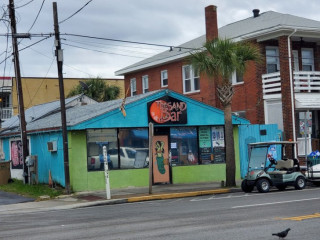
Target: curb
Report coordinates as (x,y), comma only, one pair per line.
(154,197)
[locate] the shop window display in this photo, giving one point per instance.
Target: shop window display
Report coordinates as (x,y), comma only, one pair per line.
(212,144)
(96,140)
(134,151)
(183,146)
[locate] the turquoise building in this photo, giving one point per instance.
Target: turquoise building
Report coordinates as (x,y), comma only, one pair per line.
(188,142)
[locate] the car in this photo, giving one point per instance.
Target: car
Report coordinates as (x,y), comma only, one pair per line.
(313,174)
(129,157)
(264,171)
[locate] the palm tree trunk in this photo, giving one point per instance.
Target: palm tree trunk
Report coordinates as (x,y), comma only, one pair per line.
(230,156)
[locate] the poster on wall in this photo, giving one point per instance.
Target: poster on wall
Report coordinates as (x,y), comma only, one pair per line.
(205,145)
(160,159)
(16,153)
(218,144)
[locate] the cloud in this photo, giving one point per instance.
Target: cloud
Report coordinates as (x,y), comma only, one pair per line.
(152,21)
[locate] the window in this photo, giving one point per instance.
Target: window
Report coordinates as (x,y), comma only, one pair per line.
(145,84)
(164,78)
(183,146)
(236,78)
(272,55)
(97,139)
(191,79)
(134,148)
(307,59)
(133,86)
(212,144)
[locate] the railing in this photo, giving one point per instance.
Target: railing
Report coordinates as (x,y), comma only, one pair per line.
(6,113)
(306,81)
(271,84)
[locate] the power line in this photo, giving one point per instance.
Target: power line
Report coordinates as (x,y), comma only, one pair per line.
(37,16)
(75,12)
(101,51)
(125,41)
(24,4)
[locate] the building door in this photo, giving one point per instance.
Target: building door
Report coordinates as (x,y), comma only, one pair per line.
(160,159)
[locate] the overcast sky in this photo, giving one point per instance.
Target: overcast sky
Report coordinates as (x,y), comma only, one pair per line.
(150,21)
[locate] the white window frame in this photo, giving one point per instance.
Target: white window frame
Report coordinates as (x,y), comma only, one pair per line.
(145,84)
(133,86)
(163,78)
(193,76)
(276,56)
(302,59)
(233,79)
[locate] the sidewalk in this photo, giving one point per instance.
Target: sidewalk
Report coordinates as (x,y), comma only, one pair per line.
(125,195)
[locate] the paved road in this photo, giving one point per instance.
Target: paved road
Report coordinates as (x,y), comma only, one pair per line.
(11,198)
(230,216)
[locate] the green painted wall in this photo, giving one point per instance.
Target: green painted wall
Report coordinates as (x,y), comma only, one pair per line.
(82,180)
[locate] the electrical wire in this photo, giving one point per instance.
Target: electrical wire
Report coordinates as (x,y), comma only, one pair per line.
(125,41)
(24,4)
(75,12)
(36,16)
(146,53)
(101,51)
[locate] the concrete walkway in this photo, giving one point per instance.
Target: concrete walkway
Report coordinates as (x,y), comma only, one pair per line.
(127,195)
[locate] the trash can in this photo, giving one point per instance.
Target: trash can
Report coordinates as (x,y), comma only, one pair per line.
(4,172)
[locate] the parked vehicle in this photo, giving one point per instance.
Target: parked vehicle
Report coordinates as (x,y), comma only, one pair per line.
(265,171)
(313,170)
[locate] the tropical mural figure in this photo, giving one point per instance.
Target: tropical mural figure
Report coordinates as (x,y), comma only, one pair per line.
(160,157)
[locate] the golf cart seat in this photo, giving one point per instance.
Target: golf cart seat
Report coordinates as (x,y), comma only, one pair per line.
(283,167)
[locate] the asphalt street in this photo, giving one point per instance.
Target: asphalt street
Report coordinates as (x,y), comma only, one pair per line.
(225,216)
(11,198)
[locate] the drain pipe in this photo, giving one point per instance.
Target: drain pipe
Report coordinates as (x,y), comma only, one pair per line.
(291,92)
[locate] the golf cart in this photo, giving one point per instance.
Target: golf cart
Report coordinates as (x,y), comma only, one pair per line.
(266,169)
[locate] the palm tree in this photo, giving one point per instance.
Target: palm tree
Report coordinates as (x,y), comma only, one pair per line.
(97,89)
(219,59)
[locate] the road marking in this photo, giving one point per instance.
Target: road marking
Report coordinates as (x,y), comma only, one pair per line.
(217,198)
(300,218)
(272,203)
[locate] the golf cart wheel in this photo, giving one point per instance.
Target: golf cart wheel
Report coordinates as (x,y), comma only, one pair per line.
(245,187)
(300,183)
(281,187)
(263,185)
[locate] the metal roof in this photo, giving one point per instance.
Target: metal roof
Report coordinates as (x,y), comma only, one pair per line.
(76,115)
(41,110)
(250,28)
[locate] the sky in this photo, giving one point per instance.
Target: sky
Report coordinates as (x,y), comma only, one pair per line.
(168,23)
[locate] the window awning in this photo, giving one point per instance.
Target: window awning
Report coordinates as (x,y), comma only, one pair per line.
(305,101)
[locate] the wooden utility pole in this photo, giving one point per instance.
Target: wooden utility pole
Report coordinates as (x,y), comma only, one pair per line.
(23,130)
(59,55)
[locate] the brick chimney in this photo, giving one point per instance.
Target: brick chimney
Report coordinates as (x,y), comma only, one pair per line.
(211,22)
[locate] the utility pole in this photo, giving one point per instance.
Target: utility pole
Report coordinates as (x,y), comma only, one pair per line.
(23,130)
(59,55)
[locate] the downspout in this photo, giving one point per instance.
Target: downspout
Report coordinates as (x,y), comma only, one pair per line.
(291,92)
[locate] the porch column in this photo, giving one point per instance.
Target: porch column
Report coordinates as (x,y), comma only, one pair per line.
(285,87)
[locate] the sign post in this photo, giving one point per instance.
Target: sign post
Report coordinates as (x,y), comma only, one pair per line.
(106,172)
(150,157)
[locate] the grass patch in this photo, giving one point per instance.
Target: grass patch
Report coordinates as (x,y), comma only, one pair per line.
(33,191)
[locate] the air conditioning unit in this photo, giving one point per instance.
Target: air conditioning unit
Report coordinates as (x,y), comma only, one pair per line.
(52,146)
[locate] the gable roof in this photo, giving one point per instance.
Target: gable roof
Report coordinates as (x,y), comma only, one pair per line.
(266,26)
(98,115)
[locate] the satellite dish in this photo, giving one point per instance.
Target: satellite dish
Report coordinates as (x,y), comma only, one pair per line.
(84,86)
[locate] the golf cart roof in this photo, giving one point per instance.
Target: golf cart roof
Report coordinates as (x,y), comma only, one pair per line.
(271,143)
